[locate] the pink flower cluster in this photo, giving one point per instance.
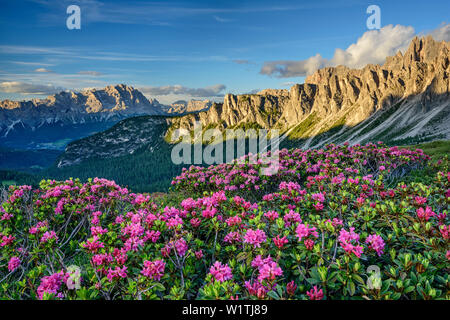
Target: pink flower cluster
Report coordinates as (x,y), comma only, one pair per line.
(49,235)
(315,294)
(51,285)
(6,240)
(38,227)
(154,269)
(425,214)
(128,238)
(257,289)
(268,269)
(255,237)
(280,242)
(221,272)
(117,273)
(376,243)
(349,241)
(303,231)
(13,263)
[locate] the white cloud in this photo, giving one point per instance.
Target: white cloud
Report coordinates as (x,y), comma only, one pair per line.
(32,50)
(223,20)
(42,70)
(289,68)
(169,94)
(155,13)
(210,91)
(242,61)
(288,83)
(371,48)
(442,33)
(89,54)
(28,88)
(28,63)
(253,91)
(44,83)
(91,73)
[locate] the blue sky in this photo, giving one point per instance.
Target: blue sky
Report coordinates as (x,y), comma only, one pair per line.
(197,49)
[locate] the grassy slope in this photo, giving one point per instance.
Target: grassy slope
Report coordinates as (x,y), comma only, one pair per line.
(435,149)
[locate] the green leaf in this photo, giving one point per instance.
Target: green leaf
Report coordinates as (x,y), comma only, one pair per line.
(279,290)
(274,295)
(358,278)
(351,288)
(409,289)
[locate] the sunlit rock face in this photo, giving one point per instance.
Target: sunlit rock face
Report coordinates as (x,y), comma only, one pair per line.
(409,92)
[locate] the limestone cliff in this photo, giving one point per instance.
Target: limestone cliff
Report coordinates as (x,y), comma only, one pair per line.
(410,92)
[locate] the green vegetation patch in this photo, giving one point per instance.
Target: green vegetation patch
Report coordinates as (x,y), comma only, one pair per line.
(303,127)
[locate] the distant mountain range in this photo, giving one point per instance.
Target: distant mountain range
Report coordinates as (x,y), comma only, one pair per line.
(182,107)
(52,122)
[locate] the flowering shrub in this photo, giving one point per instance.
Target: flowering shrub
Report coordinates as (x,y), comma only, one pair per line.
(244,176)
(336,223)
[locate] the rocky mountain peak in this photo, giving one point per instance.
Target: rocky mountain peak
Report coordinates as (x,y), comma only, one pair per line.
(70,107)
(182,106)
(416,83)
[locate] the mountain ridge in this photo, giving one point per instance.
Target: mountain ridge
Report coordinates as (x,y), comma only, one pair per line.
(111,99)
(418,80)
(68,115)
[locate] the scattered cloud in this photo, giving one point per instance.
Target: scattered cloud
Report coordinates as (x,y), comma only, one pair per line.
(41,83)
(371,48)
(89,54)
(288,83)
(153,13)
(28,88)
(254,91)
(12,49)
(42,70)
(242,61)
(222,20)
(91,73)
(28,63)
(442,33)
(210,91)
